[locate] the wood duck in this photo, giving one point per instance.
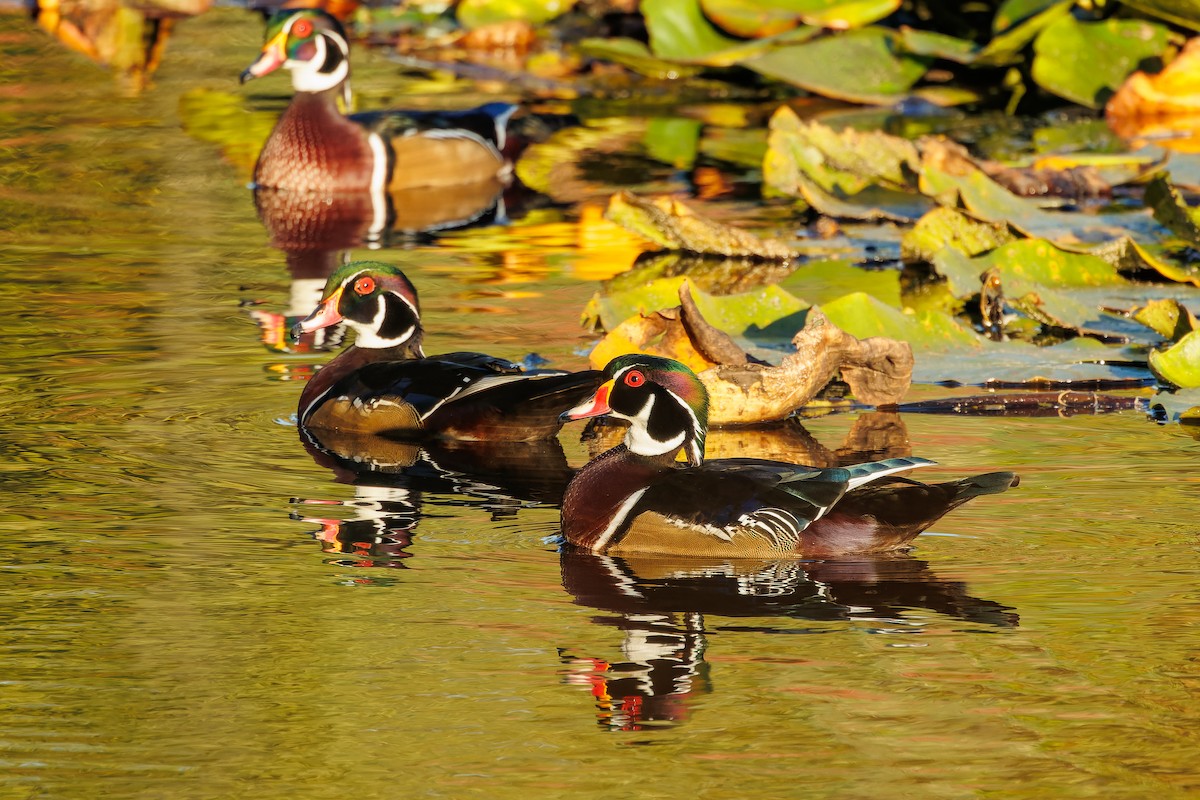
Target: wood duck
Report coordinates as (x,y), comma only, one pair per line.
(316,148)
(634,499)
(384,383)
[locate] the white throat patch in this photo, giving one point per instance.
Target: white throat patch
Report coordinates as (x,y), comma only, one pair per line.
(368,335)
(638,438)
(306,75)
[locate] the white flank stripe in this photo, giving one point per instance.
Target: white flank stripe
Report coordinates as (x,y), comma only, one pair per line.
(378,186)
(617,520)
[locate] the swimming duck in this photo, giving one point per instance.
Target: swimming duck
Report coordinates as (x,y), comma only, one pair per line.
(635,499)
(384,384)
(314,147)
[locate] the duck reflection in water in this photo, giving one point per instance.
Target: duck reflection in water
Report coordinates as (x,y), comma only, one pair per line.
(661,606)
(393,480)
(326,182)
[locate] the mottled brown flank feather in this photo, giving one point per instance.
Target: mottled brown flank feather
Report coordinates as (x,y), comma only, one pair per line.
(313,148)
(425,160)
(384,415)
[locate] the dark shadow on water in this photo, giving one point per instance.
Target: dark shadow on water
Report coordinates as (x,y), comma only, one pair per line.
(660,605)
(396,484)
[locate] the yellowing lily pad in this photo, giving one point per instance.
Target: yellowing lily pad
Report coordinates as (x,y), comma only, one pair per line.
(945,227)
(733,314)
(1179,364)
(1167,317)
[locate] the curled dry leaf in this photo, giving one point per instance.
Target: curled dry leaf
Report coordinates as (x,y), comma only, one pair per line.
(878,371)
(744,392)
(1158,105)
(673,226)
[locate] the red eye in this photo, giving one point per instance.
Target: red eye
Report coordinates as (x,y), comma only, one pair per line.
(634,378)
(364,285)
(303,28)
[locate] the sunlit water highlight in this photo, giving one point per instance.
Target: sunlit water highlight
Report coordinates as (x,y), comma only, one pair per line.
(193,607)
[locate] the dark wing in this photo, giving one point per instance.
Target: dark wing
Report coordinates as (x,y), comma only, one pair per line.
(736,497)
(425,383)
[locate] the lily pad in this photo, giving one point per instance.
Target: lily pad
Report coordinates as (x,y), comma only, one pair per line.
(945,227)
(937,45)
(1128,256)
(951,178)
(733,314)
(826,280)
(862,66)
(1114,49)
(679,31)
(848,159)
(1167,317)
(758,18)
(673,140)
(864,316)
(1179,364)
(1171,211)
(637,56)
(674,226)
(1005,48)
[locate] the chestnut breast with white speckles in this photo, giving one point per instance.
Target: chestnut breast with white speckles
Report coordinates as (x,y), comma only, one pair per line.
(313,148)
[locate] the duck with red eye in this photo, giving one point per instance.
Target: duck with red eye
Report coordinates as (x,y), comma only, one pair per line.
(384,383)
(634,498)
(391,154)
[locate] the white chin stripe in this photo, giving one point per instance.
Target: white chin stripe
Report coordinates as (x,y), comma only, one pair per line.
(306,75)
(638,438)
(367,336)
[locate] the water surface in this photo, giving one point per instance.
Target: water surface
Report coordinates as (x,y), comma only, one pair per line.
(195,607)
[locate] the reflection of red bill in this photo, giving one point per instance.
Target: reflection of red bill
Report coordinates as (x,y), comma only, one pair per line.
(325,314)
(272,58)
(592,408)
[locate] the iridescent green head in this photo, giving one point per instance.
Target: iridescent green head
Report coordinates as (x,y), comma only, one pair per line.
(375,299)
(664,402)
(310,44)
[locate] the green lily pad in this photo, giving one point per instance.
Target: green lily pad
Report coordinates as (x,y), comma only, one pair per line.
(1179,12)
(873,203)
(734,314)
(828,279)
(1128,256)
(1013,12)
(755,19)
(1171,211)
(673,140)
(637,56)
(1167,317)
(863,316)
(679,31)
(1032,272)
(953,180)
(862,66)
(1114,48)
(743,148)
(1005,48)
(845,155)
(945,227)
(1179,364)
(937,45)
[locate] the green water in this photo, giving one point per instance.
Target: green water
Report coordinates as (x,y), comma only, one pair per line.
(178,622)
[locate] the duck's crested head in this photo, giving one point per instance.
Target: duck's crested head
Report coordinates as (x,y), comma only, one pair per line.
(309,43)
(375,299)
(664,402)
